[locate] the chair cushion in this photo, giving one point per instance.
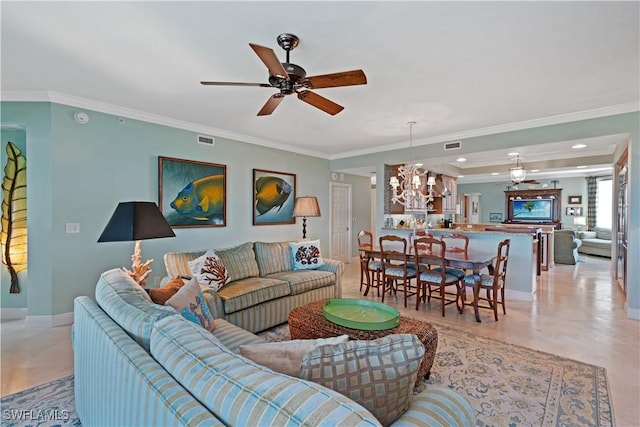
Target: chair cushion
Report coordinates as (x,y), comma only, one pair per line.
(238,391)
(273,257)
(240,261)
(128,304)
(378,374)
(251,291)
(453,271)
(209,270)
(306,255)
(286,356)
(189,302)
(486,280)
(399,272)
(177,263)
(302,281)
(431,276)
(161,295)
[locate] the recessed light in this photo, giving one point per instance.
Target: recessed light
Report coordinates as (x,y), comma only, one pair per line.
(514,153)
(461,159)
(460,176)
(495,173)
(580,167)
(577,146)
(535,170)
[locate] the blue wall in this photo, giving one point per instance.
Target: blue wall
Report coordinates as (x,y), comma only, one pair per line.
(77,173)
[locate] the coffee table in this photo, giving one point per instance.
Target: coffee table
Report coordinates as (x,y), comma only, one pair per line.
(308,322)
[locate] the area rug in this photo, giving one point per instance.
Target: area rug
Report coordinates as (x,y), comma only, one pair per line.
(510,385)
(507,385)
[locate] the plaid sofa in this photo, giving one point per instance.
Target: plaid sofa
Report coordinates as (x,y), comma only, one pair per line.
(140,364)
(264,287)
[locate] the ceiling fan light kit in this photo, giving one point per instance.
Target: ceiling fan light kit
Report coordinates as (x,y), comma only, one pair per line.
(518,172)
(291,78)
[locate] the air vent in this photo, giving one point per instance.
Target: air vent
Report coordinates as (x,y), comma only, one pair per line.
(206,140)
(456,145)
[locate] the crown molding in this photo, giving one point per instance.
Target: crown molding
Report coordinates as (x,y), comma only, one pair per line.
(102,107)
(116,110)
(508,127)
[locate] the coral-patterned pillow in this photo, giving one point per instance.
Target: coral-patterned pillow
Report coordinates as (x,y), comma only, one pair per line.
(161,295)
(306,255)
(209,270)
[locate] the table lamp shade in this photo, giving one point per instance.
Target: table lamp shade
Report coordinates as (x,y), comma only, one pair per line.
(134,221)
(306,207)
(579,220)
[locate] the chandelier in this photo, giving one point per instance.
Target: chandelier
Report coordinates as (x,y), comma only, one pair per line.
(408,187)
(518,172)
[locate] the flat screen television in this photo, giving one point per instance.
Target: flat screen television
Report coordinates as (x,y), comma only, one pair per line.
(539,210)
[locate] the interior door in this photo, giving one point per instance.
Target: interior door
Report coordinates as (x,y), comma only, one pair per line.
(340,221)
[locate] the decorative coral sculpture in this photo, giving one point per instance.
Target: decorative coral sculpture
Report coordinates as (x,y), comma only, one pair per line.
(139,270)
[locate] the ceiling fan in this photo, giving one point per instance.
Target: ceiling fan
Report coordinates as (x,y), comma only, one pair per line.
(291,78)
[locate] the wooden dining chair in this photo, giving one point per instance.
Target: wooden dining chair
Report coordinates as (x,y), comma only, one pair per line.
(456,243)
(494,283)
(432,274)
(395,271)
(370,268)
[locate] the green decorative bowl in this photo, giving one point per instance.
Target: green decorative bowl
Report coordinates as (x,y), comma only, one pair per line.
(360,314)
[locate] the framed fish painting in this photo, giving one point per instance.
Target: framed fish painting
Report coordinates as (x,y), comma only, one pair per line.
(274,194)
(192,193)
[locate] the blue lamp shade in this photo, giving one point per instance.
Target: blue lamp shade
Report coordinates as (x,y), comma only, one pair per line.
(133,221)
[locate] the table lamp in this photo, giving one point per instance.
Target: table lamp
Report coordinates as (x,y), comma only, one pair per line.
(306,207)
(135,221)
(579,221)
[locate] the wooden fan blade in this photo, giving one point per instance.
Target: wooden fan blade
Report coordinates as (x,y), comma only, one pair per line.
(271,104)
(346,78)
(320,102)
(235,84)
(270,60)
(206,83)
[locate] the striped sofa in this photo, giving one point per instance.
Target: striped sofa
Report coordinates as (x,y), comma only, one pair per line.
(140,364)
(264,287)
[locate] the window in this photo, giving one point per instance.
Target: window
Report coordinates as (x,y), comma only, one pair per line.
(605,203)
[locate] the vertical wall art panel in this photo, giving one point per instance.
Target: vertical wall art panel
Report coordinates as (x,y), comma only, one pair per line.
(274,194)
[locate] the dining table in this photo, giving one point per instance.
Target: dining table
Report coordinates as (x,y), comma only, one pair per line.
(474,259)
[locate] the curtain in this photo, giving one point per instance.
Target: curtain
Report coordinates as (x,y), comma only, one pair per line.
(592,201)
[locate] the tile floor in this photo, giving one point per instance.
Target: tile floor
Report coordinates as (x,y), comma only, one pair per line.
(577,313)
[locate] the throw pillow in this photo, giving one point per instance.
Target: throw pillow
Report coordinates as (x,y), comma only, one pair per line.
(306,255)
(189,302)
(209,270)
(161,295)
(379,375)
(285,356)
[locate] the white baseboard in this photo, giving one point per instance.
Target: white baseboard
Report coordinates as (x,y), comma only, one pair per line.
(633,313)
(13,313)
(518,295)
(49,321)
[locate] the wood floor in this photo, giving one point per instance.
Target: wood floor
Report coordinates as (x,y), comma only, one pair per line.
(577,313)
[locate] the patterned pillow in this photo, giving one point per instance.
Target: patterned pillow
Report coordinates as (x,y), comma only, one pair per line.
(285,356)
(209,270)
(161,295)
(306,255)
(379,375)
(189,302)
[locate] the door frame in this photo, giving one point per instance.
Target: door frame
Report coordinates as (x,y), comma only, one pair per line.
(332,186)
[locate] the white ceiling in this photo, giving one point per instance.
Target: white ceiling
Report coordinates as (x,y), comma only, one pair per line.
(454,67)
